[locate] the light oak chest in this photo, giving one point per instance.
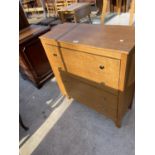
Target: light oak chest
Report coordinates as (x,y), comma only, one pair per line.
(94,64)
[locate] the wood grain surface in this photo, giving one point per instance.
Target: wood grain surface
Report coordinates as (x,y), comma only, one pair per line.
(94,64)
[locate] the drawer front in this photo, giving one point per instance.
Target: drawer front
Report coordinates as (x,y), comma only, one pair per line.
(54,55)
(95,98)
(102,70)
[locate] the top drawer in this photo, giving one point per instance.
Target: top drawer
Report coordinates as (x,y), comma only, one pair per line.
(100,70)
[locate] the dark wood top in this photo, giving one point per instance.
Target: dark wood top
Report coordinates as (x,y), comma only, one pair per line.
(31,31)
(58,31)
(101,36)
(74,7)
(116,38)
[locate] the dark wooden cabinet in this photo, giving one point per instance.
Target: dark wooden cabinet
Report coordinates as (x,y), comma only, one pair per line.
(33,62)
(32,59)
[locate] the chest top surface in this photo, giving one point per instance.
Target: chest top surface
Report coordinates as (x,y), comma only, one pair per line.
(58,31)
(116,38)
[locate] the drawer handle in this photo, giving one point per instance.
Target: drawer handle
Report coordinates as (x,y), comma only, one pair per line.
(59,68)
(55,54)
(101,67)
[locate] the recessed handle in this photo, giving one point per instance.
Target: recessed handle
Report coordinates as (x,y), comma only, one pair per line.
(101,67)
(55,54)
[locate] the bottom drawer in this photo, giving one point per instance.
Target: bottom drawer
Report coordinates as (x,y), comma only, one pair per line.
(93,97)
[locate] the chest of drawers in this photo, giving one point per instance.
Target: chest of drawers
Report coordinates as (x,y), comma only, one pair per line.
(94,64)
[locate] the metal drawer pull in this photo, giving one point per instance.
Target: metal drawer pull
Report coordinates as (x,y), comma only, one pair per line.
(101,67)
(55,54)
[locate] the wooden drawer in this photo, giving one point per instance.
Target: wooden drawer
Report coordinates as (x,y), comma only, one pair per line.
(95,98)
(102,70)
(54,57)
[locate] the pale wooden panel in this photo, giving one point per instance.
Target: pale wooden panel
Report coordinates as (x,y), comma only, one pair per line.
(102,70)
(97,99)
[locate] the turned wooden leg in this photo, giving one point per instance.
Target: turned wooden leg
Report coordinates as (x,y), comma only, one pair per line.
(132,10)
(119,4)
(105,5)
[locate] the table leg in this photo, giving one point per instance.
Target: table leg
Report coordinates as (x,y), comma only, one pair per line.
(105,5)
(61,16)
(124,5)
(119,4)
(127,5)
(75,20)
(132,10)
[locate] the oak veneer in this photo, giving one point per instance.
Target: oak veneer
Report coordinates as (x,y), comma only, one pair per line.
(94,64)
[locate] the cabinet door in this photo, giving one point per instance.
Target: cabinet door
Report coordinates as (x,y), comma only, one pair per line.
(35,57)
